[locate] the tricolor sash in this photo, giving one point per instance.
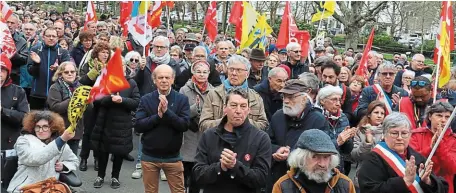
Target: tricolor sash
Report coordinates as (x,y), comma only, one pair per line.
(381,96)
(398,165)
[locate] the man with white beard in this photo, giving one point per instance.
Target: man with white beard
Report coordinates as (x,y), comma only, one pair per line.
(313,167)
(287,124)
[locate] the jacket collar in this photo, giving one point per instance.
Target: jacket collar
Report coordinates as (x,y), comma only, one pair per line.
(220,91)
(238,130)
(294,175)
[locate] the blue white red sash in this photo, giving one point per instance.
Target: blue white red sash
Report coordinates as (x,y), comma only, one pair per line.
(381,96)
(396,162)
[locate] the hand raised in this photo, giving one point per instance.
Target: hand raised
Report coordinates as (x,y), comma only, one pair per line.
(67,135)
(410,171)
(35,57)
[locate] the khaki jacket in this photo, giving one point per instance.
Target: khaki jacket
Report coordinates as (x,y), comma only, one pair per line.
(212,111)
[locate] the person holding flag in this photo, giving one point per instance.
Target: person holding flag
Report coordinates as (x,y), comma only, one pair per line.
(394,166)
(385,91)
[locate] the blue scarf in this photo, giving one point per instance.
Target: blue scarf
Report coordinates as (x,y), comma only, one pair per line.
(228,86)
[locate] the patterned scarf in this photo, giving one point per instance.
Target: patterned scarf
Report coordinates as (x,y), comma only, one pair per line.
(331,117)
(202,86)
(68,89)
(160,59)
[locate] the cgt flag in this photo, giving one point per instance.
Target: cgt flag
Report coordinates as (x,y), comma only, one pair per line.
(444,44)
(125,13)
(91,15)
(210,21)
(111,79)
(362,69)
(7,45)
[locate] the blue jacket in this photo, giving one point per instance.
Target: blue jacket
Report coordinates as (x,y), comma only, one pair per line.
(368,95)
(162,137)
(41,72)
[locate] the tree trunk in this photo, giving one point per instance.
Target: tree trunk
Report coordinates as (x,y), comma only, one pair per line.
(351,37)
(225,15)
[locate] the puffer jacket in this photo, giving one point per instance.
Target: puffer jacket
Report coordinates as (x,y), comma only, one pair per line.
(41,72)
(213,109)
(445,156)
(193,135)
(290,183)
(361,149)
(113,126)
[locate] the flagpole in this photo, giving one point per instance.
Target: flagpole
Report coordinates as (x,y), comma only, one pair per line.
(145,25)
(168,19)
(319,23)
(436,80)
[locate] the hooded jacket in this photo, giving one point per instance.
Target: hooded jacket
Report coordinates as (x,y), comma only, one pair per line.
(41,71)
(14,105)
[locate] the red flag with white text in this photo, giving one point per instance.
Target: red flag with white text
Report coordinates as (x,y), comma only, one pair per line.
(362,68)
(7,44)
(210,21)
(111,80)
(287,26)
(91,15)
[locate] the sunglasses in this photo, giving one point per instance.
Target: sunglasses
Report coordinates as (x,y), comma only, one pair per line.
(134,60)
(418,83)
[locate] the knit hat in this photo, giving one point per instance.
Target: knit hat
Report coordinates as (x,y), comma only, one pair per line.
(316,141)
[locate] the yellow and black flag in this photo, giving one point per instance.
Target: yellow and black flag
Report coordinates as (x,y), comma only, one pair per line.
(325,9)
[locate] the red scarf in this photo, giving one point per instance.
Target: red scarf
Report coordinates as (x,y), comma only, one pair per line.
(201,86)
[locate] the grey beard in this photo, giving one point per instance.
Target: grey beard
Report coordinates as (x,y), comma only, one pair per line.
(320,177)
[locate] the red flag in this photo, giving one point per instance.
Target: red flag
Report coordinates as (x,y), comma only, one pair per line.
(154,19)
(91,15)
(210,21)
(236,19)
(302,38)
(446,15)
(111,79)
(362,68)
(6,11)
(7,44)
(287,26)
(125,13)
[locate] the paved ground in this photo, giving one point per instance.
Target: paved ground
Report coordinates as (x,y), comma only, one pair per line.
(127,184)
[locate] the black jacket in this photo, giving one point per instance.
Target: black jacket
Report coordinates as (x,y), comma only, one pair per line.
(376,176)
(113,127)
(14,106)
(20,57)
(162,137)
(144,77)
(41,72)
(285,131)
(78,53)
(252,162)
(297,69)
(272,101)
(252,81)
(368,95)
(398,78)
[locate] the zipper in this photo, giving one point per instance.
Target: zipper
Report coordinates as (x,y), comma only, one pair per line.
(47,78)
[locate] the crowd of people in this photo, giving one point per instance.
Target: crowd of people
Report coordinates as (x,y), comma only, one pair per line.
(214,119)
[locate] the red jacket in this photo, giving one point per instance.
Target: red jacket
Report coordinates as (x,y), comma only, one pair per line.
(445,156)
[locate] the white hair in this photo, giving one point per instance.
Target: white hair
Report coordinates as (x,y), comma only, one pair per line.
(327,91)
(387,66)
(275,70)
(403,56)
(199,48)
(394,120)
(409,73)
(350,60)
(298,159)
(130,55)
(292,45)
(230,44)
(416,56)
(162,38)
(373,53)
(235,59)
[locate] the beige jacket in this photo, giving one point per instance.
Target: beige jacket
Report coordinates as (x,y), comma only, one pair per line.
(213,109)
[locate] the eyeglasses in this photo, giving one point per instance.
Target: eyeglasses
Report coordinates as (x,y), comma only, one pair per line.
(395,135)
(420,83)
(238,70)
(134,60)
(43,128)
(69,72)
(223,48)
(50,36)
(296,51)
(388,73)
(160,47)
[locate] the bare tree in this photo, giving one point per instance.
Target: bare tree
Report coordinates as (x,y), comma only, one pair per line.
(354,15)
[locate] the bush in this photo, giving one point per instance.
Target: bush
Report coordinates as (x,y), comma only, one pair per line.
(338,39)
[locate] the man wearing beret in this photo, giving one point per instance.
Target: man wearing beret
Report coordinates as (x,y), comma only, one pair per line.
(313,167)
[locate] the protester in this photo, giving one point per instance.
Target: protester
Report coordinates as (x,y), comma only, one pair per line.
(269,90)
(312,85)
(338,60)
(42,63)
(60,93)
(380,173)
(220,59)
(407,77)
(84,45)
(132,60)
(20,57)
(162,117)
(233,156)
(258,72)
(42,150)
(344,76)
(287,124)
(424,139)
(112,131)
(368,134)
(238,69)
(390,93)
(294,57)
(273,61)
(417,65)
(246,53)
(313,167)
(283,56)
(356,86)
(414,106)
(196,90)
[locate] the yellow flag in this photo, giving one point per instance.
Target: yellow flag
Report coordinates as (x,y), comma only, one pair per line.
(249,19)
(257,37)
(445,67)
(77,106)
(324,10)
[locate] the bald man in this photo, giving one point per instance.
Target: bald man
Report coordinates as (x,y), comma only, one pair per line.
(162,117)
